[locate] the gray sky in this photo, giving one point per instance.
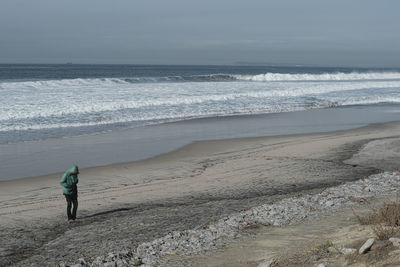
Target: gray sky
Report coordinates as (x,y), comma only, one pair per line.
(316,32)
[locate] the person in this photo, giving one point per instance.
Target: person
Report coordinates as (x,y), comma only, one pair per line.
(69,183)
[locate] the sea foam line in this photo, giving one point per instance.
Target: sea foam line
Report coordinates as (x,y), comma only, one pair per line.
(267,77)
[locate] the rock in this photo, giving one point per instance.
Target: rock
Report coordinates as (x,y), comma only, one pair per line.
(98,261)
(212,228)
(321,265)
(379,245)
(367,245)
(395,241)
(82,261)
(136,261)
(110,256)
(329,203)
(266,263)
(348,251)
(120,263)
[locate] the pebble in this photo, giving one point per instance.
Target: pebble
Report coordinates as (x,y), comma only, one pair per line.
(348,251)
(82,261)
(120,263)
(395,241)
(110,256)
(367,245)
(329,203)
(284,212)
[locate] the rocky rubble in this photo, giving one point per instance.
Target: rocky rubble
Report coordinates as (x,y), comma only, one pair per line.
(287,211)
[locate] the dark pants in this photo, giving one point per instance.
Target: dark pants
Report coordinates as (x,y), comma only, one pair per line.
(72,200)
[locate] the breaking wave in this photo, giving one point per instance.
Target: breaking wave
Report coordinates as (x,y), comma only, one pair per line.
(267,77)
(339,76)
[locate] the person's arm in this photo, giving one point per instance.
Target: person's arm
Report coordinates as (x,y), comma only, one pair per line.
(75,181)
(63,181)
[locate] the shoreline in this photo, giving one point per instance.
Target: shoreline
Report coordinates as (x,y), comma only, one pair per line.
(124,205)
(47,157)
(184,150)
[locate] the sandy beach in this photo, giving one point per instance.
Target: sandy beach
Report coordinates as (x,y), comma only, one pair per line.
(188,133)
(123,205)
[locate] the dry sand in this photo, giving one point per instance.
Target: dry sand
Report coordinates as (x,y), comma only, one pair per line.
(123,205)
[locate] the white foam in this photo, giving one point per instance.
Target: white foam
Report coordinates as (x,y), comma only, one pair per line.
(89,102)
(49,102)
(339,76)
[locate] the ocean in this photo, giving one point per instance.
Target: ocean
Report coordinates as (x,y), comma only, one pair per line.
(52,101)
(55,116)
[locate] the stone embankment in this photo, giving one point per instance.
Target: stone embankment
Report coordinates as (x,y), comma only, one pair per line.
(284,212)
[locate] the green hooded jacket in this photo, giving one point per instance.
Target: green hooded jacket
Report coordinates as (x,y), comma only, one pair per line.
(69,181)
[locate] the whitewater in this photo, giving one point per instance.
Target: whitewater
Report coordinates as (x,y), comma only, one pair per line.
(102,103)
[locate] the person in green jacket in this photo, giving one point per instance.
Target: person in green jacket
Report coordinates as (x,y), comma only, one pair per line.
(69,183)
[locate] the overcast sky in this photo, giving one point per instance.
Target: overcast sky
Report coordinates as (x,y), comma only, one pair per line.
(313,32)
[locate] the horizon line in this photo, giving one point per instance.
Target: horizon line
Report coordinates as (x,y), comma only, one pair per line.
(241,64)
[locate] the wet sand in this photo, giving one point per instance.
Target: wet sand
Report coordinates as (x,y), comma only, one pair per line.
(34,158)
(123,205)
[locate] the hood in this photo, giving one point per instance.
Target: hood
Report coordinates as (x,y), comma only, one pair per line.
(74,169)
